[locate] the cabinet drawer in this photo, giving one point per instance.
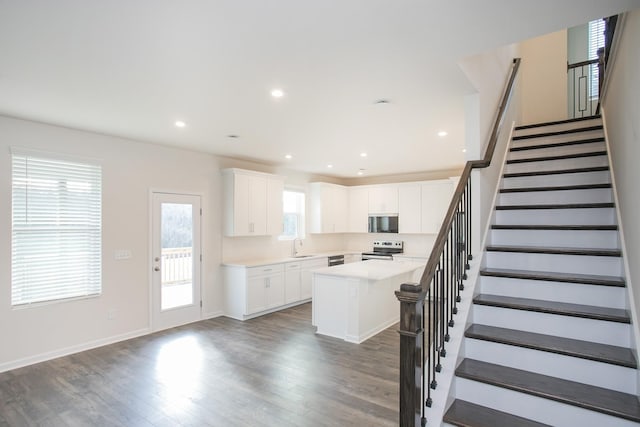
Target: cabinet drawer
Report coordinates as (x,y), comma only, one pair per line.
(291,266)
(265,270)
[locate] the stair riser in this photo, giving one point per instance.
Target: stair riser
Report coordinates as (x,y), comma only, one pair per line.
(593,216)
(593,195)
(599,177)
(548,165)
(560,127)
(560,366)
(533,407)
(558,238)
(555,151)
(581,264)
(602,296)
(613,333)
(539,140)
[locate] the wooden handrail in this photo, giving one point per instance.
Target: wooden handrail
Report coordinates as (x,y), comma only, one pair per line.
(581,64)
(434,258)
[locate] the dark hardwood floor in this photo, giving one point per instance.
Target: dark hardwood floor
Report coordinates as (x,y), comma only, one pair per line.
(269,371)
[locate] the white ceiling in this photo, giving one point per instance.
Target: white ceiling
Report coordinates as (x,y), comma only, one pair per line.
(132,68)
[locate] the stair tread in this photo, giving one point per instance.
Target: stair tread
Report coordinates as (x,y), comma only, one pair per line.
(558,157)
(554,307)
(555,188)
(556,206)
(588,279)
(605,353)
(557,133)
(466,414)
(556,144)
(611,402)
(556,172)
(555,250)
(607,227)
(557,122)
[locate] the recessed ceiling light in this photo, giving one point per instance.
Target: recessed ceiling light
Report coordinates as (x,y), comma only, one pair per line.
(442,133)
(233,136)
(180,123)
(288,156)
(464,150)
(277,93)
(382,102)
(361,172)
(363,154)
(329,166)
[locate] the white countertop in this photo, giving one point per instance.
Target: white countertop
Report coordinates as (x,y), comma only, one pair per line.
(373,269)
(272,261)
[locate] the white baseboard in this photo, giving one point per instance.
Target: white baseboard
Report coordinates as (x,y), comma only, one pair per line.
(43,357)
(212,314)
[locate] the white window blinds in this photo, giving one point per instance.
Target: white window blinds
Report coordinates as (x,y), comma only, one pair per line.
(596,41)
(56,229)
(596,37)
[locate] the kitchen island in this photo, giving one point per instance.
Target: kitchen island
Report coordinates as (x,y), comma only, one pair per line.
(356,301)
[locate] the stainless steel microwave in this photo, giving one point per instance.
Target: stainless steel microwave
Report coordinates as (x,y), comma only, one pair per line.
(383,223)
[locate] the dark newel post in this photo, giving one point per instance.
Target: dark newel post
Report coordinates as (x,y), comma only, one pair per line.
(411,331)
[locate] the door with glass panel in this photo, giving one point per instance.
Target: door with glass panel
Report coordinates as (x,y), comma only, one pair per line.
(175,294)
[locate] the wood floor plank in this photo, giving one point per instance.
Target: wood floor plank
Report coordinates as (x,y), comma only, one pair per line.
(271,370)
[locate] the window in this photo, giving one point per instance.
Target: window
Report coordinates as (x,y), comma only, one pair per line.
(596,41)
(293,208)
(56,234)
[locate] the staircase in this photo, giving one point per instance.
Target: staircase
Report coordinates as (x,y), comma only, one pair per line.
(551,335)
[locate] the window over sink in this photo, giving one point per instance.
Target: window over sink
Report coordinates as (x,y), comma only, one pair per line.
(293,215)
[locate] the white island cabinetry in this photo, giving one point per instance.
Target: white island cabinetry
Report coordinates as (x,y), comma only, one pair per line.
(356,301)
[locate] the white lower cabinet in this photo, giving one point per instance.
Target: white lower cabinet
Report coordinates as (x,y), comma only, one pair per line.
(253,291)
(265,288)
(292,282)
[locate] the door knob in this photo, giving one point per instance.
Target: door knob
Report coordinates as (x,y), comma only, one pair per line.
(156,268)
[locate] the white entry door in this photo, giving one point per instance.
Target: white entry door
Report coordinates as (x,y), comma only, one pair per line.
(175,294)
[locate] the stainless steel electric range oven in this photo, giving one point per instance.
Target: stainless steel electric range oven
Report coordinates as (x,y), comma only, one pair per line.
(384,249)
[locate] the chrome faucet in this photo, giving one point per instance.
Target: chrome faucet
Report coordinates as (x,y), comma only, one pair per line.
(294,251)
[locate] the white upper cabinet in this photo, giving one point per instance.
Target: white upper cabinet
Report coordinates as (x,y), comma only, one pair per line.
(329,204)
(358,209)
(251,203)
(436,197)
(383,199)
(409,209)
(275,189)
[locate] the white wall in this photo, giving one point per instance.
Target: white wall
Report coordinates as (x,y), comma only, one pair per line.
(130,170)
(544,78)
(488,72)
(621,110)
(578,43)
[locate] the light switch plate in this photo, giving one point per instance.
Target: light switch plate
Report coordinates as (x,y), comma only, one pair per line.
(122,254)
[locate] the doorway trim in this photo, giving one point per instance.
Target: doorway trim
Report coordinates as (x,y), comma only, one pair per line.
(149,252)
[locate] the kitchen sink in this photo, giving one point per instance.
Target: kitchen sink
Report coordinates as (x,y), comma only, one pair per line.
(302,256)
